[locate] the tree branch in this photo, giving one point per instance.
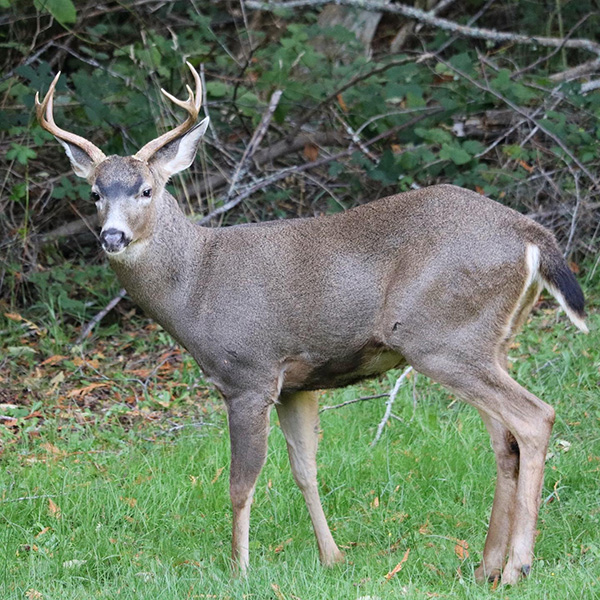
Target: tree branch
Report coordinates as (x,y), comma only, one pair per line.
(255,141)
(429,18)
(267,181)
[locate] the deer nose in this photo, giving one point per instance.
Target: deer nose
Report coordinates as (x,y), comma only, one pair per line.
(113,240)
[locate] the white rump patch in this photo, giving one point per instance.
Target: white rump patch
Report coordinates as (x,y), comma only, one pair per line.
(532,256)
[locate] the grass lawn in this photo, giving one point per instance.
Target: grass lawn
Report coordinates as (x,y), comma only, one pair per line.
(114,472)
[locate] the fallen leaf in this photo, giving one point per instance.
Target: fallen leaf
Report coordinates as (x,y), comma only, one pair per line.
(461,549)
(14,317)
(375,503)
(277,591)
(219,471)
(87,389)
(281,546)
(53,509)
(56,381)
(311,152)
(52,360)
(342,103)
(52,449)
(527,167)
(398,567)
(42,532)
(32,594)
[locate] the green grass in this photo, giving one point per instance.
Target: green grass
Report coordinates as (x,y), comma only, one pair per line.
(120,490)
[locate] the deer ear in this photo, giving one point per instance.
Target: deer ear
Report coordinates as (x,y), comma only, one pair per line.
(180,153)
(82,163)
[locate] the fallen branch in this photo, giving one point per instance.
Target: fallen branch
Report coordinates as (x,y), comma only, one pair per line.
(429,18)
(254,142)
(389,403)
(582,70)
(98,317)
(353,401)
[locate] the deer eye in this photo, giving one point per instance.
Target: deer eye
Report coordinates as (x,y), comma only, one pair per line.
(147,193)
(95,196)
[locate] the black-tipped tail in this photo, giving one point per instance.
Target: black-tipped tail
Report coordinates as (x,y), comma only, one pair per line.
(561,283)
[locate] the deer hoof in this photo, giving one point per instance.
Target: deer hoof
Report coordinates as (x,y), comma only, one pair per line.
(483,575)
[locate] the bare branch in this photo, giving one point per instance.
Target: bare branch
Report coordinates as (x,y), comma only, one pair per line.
(429,18)
(353,401)
(99,316)
(389,403)
(255,141)
(582,70)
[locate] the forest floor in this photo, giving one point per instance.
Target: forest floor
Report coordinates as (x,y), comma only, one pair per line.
(114,471)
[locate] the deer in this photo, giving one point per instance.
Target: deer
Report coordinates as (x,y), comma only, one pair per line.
(440,278)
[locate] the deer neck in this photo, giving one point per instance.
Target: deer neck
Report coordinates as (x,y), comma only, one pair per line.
(158,272)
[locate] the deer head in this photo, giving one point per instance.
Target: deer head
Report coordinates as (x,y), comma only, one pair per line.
(128,190)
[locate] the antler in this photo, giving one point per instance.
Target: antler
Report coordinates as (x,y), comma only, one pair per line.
(44,112)
(191,105)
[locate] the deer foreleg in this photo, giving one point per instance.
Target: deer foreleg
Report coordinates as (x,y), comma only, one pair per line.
(299,420)
(248,432)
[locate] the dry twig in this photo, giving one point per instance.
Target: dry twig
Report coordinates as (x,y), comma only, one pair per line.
(389,403)
(99,316)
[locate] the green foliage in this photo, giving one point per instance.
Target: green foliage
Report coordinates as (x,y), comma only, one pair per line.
(62,10)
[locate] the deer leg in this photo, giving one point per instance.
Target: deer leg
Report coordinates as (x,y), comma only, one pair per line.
(506,451)
(248,432)
(299,419)
(530,421)
(533,436)
(493,392)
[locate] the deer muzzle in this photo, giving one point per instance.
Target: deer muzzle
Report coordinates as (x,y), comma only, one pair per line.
(114,241)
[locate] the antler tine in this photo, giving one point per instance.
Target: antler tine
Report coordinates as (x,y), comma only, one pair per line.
(45,114)
(191,105)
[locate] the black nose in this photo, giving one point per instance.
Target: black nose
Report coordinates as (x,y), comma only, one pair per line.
(113,240)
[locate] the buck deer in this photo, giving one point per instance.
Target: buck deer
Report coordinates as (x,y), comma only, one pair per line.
(439,278)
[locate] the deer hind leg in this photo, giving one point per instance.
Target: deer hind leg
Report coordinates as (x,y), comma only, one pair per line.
(530,421)
(248,432)
(489,388)
(299,419)
(506,450)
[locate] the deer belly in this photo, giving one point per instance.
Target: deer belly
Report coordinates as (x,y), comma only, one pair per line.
(302,373)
